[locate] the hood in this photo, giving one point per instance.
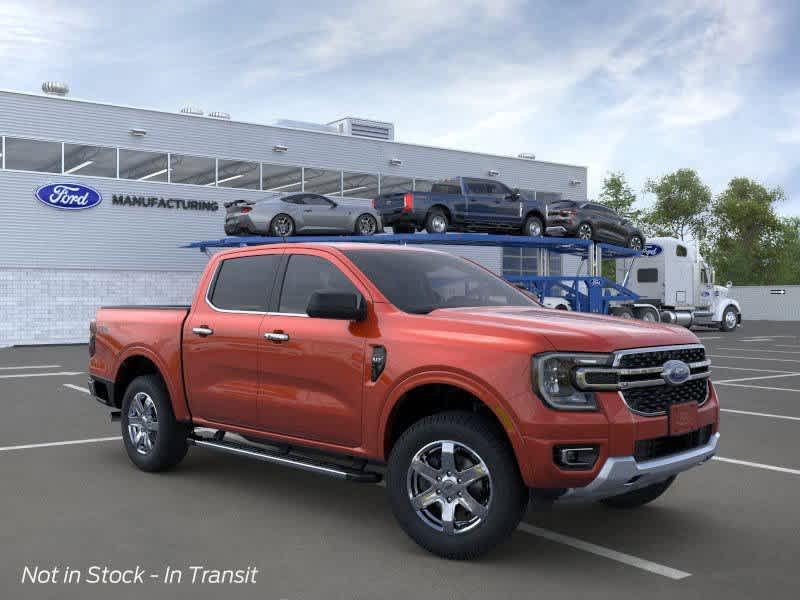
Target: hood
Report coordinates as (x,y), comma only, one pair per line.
(571,331)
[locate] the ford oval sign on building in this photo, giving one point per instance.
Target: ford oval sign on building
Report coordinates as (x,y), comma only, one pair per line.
(68,196)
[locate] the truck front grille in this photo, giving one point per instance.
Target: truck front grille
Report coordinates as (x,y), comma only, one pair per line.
(656,400)
(656,358)
(664,446)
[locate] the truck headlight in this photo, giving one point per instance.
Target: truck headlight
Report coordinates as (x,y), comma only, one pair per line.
(554,379)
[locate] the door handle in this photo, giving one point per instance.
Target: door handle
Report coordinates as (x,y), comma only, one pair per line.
(277,337)
(308,210)
(204,330)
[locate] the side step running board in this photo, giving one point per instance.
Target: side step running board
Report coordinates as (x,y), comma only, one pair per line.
(304,464)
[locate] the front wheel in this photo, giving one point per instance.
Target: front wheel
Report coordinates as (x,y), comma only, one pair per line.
(639,497)
(454,485)
(153,439)
(366,224)
(533,227)
(730,319)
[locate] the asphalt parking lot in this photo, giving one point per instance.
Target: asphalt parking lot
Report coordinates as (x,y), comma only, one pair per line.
(71,499)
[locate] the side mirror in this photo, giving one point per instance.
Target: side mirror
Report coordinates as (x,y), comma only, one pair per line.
(514,195)
(344,306)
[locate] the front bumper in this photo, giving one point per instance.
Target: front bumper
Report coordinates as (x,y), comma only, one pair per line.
(621,474)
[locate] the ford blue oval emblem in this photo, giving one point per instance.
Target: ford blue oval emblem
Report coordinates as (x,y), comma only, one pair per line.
(675,372)
(652,250)
(68,196)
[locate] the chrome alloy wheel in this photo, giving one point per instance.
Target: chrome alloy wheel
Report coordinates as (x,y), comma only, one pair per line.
(449,486)
(142,423)
(730,319)
(585,231)
(534,228)
(439,224)
(283,226)
(367,225)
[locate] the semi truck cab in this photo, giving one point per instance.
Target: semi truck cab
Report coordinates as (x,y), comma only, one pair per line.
(672,276)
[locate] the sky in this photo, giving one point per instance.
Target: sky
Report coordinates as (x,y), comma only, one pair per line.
(639,87)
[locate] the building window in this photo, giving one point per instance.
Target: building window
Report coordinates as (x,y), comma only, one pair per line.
(396,185)
(144,166)
(95,161)
(525,261)
(360,185)
(195,170)
(238,174)
(323,181)
(33,155)
(280,178)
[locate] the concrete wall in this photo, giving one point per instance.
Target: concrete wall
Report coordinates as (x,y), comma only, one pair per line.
(766,303)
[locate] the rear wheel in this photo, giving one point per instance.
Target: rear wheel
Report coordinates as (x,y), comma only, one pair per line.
(436,222)
(647,313)
(533,227)
(623,312)
(635,242)
(639,497)
(584,231)
(153,439)
(730,319)
(454,485)
(366,224)
(281,226)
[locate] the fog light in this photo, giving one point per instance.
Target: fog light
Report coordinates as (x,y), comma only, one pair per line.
(582,457)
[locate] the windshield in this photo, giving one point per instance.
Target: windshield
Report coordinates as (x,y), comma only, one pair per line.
(419,282)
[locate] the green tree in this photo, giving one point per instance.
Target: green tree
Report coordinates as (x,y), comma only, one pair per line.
(749,243)
(681,205)
(618,195)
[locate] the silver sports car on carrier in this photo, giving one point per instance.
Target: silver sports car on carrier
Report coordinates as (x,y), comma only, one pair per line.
(283,215)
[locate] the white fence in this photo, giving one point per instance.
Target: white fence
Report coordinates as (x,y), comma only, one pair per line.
(768,302)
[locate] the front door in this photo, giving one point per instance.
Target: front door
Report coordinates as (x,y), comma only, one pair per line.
(504,207)
(321,214)
(313,370)
(222,337)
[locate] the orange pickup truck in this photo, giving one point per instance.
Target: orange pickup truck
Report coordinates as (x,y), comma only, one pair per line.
(343,359)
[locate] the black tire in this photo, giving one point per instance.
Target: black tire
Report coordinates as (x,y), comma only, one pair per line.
(728,324)
(623,312)
(639,497)
(534,227)
(361,225)
(230,230)
(636,242)
(276,226)
(403,228)
(585,231)
(506,502)
(647,313)
(437,221)
(169,445)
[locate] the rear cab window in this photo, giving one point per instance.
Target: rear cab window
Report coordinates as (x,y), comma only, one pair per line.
(306,274)
(245,283)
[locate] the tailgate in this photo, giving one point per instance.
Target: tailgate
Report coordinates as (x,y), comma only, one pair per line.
(389,203)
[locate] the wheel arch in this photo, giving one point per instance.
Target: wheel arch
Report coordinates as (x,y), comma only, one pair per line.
(137,362)
(429,393)
(443,208)
(535,212)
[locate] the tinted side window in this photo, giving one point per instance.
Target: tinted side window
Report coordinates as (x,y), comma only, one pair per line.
(647,275)
(307,274)
(245,283)
(446,188)
(680,251)
(317,201)
(476,188)
(295,199)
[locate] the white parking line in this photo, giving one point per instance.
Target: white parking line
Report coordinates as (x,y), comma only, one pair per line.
(30,367)
(18,375)
(633,561)
(757,387)
(77,388)
(786,345)
(713,367)
(758,414)
(755,378)
(65,443)
(762,350)
(792,360)
(747,463)
(710,337)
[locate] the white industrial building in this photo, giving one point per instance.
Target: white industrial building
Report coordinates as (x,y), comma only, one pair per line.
(163,178)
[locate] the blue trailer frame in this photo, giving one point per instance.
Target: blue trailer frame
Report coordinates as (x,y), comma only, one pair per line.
(585,293)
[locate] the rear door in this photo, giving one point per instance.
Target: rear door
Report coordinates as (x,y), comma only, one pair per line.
(313,370)
(478,203)
(222,340)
